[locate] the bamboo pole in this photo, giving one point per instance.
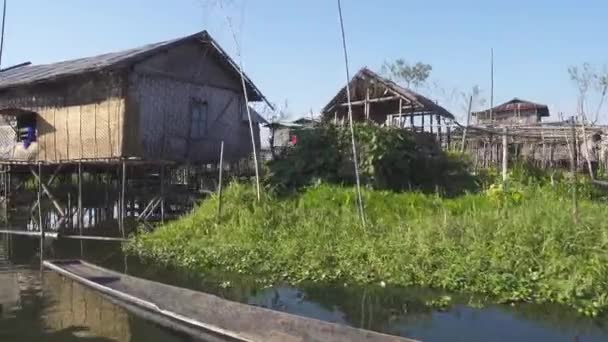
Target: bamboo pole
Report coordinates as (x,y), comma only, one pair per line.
(573,164)
(2,33)
(219,184)
(505,156)
(350,118)
(464,132)
(491,85)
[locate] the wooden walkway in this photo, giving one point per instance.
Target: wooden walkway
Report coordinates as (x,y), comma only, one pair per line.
(206,316)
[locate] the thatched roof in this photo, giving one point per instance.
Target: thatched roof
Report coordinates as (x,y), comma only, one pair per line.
(516,105)
(418,102)
(27,75)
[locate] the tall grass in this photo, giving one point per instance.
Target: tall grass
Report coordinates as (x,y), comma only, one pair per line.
(513,246)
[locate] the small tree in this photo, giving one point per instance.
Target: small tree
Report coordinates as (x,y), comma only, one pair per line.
(476,94)
(586,78)
(412,75)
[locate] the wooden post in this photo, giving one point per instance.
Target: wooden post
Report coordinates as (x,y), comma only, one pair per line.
(422,123)
(366,108)
(7,171)
(401,121)
(80,211)
(449,137)
(573,166)
(464,132)
(40,215)
(505,155)
(485,154)
(162,194)
(70,218)
(219,184)
(412,121)
(121,222)
(439,136)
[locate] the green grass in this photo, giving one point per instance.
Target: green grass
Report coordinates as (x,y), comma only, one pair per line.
(516,246)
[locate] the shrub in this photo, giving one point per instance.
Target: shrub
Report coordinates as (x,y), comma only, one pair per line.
(514,245)
(389,159)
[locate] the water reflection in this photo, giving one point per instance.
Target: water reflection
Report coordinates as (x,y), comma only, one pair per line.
(48,307)
(404,312)
(61,310)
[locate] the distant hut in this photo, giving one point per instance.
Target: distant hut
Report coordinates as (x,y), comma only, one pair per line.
(382,101)
(172,101)
(282,133)
(514,112)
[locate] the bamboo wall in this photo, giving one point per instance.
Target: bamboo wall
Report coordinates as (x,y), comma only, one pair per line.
(143,112)
(79,120)
(160,95)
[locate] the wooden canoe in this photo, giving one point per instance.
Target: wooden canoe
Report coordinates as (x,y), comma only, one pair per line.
(206,316)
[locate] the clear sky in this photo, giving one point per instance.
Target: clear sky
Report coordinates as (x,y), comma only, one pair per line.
(291,48)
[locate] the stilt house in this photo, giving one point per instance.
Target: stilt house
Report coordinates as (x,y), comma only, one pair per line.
(172,101)
(380,100)
(514,112)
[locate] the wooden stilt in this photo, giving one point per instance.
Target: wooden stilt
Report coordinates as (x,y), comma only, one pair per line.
(449,137)
(422,123)
(40,224)
(219,184)
(70,218)
(439,130)
(5,184)
(80,209)
(412,122)
(162,194)
(122,199)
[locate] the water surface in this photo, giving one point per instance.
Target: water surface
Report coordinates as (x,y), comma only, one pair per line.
(51,308)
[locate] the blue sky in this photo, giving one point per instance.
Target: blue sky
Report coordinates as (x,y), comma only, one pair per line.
(291,48)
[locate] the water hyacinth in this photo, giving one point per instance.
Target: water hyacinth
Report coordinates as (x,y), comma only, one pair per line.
(515,245)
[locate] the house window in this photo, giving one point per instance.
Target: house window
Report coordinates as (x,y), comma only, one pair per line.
(198,119)
(26,128)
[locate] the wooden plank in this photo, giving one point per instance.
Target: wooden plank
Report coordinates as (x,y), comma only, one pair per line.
(51,235)
(363,102)
(207,316)
(48,193)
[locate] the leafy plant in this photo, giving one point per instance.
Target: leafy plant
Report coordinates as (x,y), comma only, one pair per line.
(527,250)
(389,158)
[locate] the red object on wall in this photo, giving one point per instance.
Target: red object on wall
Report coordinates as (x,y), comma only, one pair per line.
(294,139)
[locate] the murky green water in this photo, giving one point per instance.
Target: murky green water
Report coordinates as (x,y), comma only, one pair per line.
(51,308)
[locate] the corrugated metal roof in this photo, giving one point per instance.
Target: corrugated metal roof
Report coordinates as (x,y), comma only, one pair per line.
(255,116)
(48,72)
(34,74)
(517,105)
